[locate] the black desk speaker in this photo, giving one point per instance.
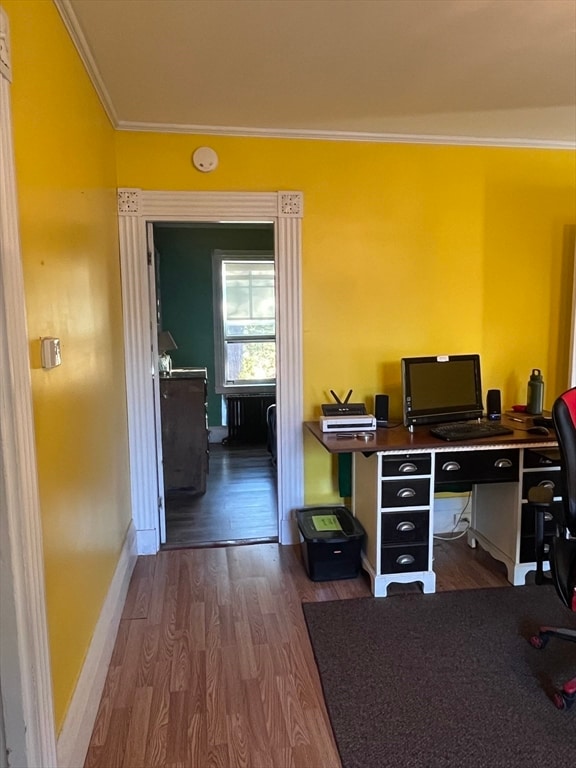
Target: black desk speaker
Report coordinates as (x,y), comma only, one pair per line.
(381,409)
(494,405)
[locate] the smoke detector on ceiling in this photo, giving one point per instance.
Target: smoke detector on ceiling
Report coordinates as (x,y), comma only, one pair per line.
(205,159)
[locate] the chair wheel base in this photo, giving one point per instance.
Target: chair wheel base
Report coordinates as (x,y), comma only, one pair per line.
(564,700)
(539,641)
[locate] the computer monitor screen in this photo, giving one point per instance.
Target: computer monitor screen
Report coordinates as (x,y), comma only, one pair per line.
(440,389)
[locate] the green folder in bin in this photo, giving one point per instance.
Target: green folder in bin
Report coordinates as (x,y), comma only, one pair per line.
(326,523)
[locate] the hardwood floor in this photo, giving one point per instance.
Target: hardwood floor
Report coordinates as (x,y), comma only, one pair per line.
(239,504)
(213,668)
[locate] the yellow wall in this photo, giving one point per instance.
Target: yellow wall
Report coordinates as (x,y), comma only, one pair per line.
(66,179)
(390,232)
(407,250)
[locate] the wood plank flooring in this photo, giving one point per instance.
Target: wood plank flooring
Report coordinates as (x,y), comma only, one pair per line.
(239,504)
(213,668)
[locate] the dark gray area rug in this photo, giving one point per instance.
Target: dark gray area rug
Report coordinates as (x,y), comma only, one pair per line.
(446,680)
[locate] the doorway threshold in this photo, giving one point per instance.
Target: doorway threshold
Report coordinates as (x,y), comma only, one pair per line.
(224,543)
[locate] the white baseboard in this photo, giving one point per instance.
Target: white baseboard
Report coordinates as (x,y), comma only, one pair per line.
(76,733)
(147,541)
(289,532)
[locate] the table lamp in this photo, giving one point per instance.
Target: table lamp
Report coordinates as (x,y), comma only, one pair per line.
(165,344)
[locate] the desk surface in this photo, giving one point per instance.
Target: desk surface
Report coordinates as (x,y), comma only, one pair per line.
(399,440)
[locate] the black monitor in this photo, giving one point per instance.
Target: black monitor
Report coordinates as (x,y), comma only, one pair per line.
(441,389)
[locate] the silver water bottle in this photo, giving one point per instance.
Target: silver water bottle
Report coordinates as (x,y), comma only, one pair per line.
(535,401)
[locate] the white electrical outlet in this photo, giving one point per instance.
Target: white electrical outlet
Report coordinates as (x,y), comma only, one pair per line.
(461,518)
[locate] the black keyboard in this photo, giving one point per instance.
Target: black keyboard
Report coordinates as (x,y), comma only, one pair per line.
(469,430)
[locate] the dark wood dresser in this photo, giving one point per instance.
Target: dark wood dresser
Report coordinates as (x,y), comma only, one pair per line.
(185,447)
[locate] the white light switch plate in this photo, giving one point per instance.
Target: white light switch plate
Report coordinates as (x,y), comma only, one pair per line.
(50,349)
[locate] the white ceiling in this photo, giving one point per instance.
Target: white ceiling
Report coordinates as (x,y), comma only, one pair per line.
(469,71)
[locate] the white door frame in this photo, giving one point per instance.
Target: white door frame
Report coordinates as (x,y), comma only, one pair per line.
(24,653)
(136,207)
(156,380)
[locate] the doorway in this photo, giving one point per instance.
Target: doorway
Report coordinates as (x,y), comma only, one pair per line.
(238,506)
(137,207)
(235,499)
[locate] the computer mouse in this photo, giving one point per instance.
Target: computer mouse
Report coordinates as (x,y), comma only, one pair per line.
(539,431)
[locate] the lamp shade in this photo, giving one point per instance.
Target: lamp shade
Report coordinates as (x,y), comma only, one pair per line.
(166,342)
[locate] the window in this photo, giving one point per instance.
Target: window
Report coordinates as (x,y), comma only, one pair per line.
(244,321)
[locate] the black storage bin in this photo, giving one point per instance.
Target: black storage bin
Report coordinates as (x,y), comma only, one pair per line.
(331,539)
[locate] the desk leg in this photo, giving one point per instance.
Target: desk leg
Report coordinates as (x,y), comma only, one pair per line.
(381,583)
(516,572)
(426,578)
(471,538)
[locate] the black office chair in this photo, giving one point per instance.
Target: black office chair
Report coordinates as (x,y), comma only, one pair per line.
(562,556)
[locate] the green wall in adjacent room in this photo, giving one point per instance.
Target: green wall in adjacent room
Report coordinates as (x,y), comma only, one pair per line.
(184,290)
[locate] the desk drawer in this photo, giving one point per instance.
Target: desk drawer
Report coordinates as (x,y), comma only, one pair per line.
(551,479)
(404,558)
(409,526)
(543,457)
(406,465)
(406,492)
(479,466)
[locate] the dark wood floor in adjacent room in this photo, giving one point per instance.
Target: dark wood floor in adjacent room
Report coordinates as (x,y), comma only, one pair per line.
(239,504)
(213,668)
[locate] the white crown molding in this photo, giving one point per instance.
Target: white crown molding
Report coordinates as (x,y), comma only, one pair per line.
(81,44)
(354,136)
(79,40)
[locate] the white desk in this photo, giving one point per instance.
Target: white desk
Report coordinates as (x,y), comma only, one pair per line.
(396,475)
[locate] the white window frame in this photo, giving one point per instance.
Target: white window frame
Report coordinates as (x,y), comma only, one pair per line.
(220,385)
